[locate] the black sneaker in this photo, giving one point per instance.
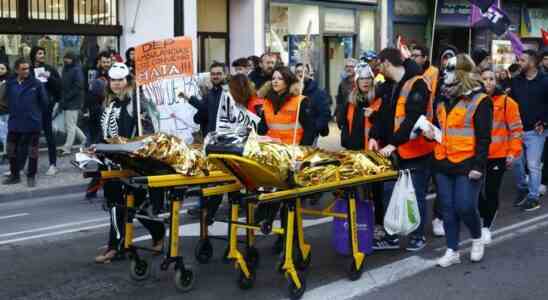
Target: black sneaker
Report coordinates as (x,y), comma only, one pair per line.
(386,244)
(520,198)
(12,180)
(530,205)
(31,182)
(416,244)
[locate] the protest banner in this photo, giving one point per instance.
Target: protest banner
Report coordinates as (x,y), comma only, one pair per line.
(163,70)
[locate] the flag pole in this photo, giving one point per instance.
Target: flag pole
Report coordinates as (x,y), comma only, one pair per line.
(433,29)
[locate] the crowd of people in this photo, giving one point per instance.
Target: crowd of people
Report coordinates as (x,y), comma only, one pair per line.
(490,120)
(75,92)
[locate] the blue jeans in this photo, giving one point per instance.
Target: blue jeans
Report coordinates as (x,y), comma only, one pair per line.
(459,201)
(420,179)
(533,145)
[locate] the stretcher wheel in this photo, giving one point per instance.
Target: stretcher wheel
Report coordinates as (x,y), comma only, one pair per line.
(246,283)
(184,279)
(300,263)
(203,251)
(353,273)
(294,292)
(139,269)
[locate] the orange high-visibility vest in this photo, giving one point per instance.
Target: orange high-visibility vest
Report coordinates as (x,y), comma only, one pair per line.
(507,128)
(431,76)
(285,124)
(367,122)
(459,140)
(419,146)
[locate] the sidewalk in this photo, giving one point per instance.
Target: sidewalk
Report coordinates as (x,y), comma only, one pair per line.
(68,180)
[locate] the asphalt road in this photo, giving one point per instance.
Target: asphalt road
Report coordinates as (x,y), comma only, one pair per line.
(47,246)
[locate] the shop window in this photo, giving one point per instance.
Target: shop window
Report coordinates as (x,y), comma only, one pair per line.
(290,26)
(98,12)
(8,9)
(47,9)
(367,30)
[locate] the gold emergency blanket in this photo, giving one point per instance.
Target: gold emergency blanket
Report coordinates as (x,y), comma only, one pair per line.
(310,166)
(168,149)
(322,168)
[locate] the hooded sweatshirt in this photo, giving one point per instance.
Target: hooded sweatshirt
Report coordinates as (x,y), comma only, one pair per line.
(73,85)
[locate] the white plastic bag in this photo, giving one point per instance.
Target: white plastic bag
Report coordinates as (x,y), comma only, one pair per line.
(58,123)
(402,216)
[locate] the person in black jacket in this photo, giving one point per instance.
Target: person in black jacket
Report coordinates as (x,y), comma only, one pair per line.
(52,82)
(417,103)
(119,119)
(320,102)
(263,74)
(206,116)
(73,100)
(466,118)
(529,90)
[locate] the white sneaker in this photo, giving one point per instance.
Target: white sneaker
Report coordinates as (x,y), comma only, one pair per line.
(437,227)
(7,173)
(486,235)
(478,249)
(542,189)
(449,258)
(52,171)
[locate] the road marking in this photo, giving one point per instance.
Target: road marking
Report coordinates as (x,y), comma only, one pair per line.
(504,229)
(13,216)
(4,235)
(394,272)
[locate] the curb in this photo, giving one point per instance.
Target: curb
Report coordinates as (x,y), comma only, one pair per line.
(40,193)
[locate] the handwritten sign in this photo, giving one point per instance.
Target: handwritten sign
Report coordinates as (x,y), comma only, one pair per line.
(163,59)
(163,70)
(231,116)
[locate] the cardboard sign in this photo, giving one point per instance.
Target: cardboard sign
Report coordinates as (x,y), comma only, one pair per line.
(163,59)
(231,116)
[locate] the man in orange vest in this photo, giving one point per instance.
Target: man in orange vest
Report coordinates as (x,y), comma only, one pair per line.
(406,99)
(432,75)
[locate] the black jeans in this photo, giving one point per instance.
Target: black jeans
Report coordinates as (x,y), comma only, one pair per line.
(114,193)
(47,123)
(23,145)
(489,198)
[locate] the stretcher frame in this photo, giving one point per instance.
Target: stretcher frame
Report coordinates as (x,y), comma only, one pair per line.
(253,177)
(179,186)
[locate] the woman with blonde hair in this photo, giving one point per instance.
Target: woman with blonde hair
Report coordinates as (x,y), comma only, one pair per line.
(465,119)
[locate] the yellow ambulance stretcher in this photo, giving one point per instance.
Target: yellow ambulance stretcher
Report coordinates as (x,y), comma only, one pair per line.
(178,187)
(261,185)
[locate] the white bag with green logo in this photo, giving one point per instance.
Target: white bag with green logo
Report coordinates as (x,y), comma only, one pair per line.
(402,215)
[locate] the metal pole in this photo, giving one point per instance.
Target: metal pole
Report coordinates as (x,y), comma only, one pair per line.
(139,124)
(433,29)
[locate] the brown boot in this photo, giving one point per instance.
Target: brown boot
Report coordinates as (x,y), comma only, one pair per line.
(157,247)
(106,257)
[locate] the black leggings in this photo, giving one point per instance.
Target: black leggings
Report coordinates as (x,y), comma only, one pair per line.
(489,198)
(114,193)
(47,126)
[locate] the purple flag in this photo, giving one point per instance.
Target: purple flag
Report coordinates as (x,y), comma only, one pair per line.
(517,45)
(477,13)
(496,19)
(483,4)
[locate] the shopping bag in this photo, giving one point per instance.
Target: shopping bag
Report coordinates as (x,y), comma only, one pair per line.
(402,215)
(341,230)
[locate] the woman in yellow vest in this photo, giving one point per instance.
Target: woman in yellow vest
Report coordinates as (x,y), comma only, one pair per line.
(505,147)
(286,115)
(465,120)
